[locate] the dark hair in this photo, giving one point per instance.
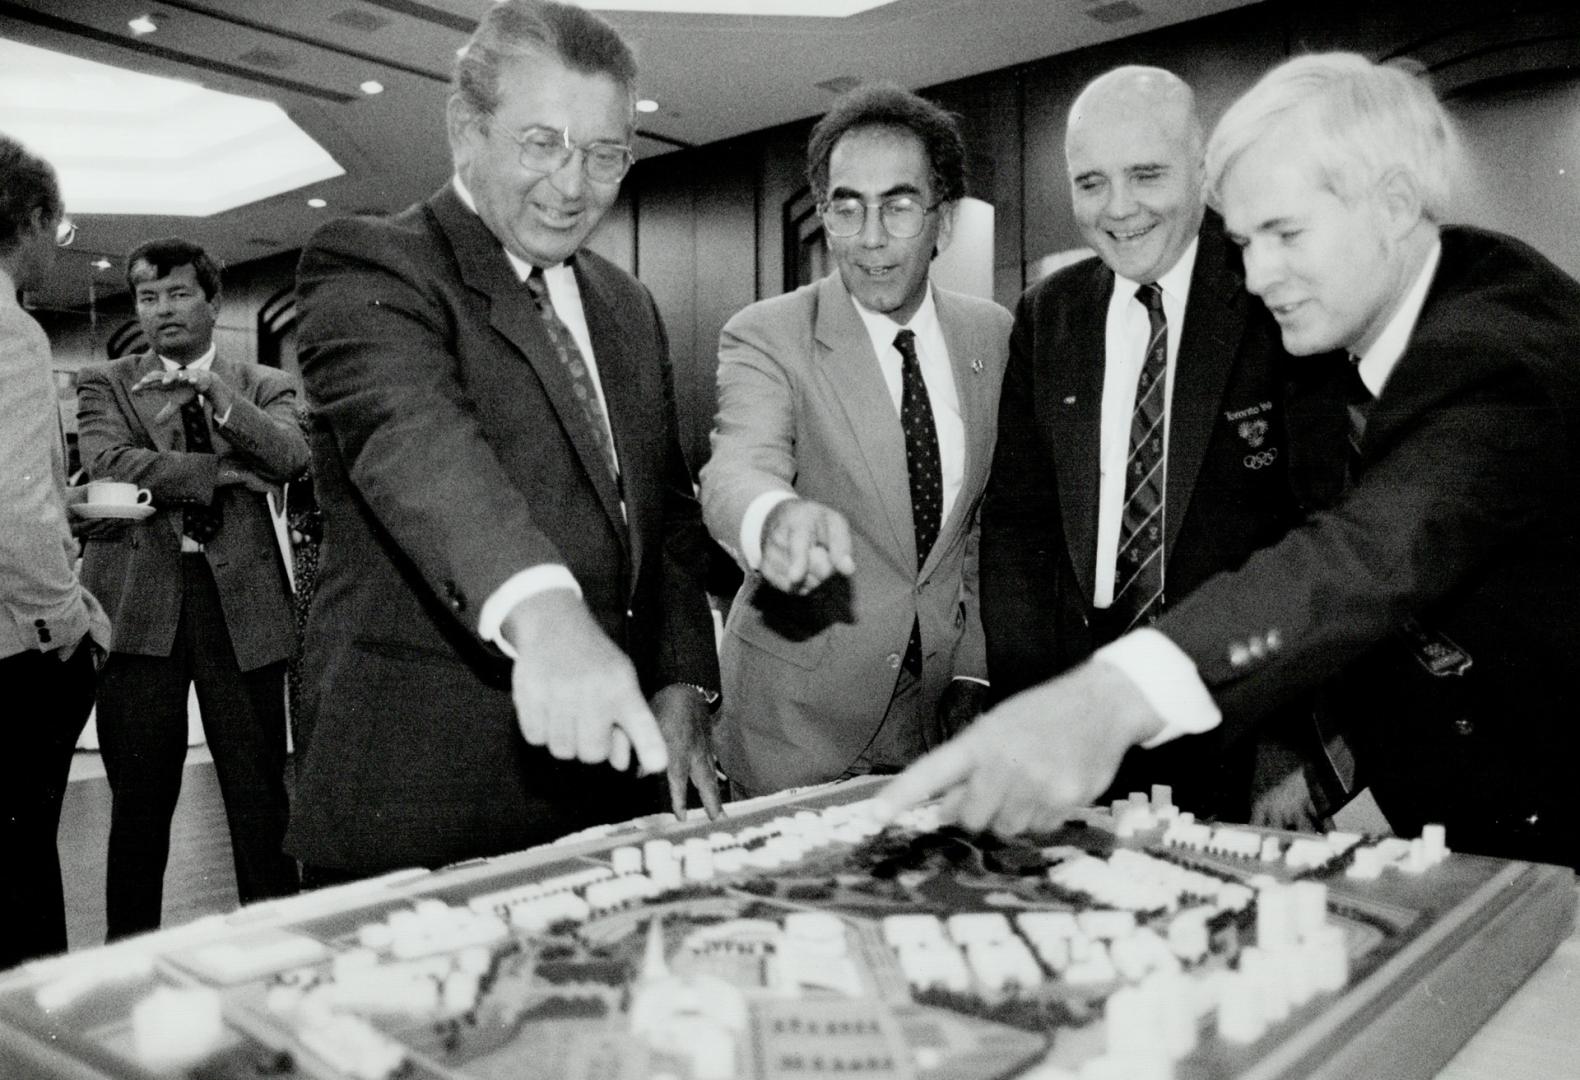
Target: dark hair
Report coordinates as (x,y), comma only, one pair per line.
(27,183)
(579,39)
(886,105)
(167,254)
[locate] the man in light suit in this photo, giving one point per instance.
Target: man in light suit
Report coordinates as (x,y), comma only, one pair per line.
(50,626)
(1435,597)
(510,594)
(197,592)
(850,452)
(1058,574)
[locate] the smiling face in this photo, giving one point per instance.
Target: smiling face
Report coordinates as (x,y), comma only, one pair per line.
(175,315)
(886,274)
(1135,182)
(540,217)
(1323,266)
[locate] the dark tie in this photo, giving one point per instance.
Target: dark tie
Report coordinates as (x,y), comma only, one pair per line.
(1138,572)
(1357,404)
(922,464)
(201,523)
(576,367)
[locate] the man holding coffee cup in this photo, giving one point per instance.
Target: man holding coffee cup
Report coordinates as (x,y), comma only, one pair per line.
(50,625)
(197,591)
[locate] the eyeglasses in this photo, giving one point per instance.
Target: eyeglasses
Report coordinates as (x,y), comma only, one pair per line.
(902,216)
(546,150)
(65,232)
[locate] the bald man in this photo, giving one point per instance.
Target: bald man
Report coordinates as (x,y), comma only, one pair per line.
(1141,439)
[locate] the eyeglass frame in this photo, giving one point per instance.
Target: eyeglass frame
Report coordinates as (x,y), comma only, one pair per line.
(570,147)
(65,232)
(866,207)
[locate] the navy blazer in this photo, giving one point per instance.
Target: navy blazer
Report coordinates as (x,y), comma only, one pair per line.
(451,454)
(1459,541)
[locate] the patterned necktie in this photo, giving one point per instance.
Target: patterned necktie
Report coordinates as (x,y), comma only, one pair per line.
(1138,573)
(201,523)
(576,367)
(924,468)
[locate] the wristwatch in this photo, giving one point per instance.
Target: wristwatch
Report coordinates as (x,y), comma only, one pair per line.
(710,698)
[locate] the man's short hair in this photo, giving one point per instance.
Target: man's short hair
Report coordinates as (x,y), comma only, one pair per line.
(27,183)
(167,254)
(510,30)
(884,105)
(1360,121)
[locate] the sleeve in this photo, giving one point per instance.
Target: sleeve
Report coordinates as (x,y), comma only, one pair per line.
(753,441)
(1452,487)
(1021,532)
(112,448)
(263,430)
(380,340)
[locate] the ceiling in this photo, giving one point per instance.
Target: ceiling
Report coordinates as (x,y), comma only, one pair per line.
(714,76)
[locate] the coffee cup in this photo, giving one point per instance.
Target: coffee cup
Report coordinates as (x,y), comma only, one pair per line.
(118,493)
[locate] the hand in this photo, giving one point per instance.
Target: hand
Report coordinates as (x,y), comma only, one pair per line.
(87,528)
(184,385)
(962,701)
(804,544)
(1289,804)
(687,726)
(1031,760)
(574,690)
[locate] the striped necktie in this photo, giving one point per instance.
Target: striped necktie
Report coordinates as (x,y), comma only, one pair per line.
(1138,572)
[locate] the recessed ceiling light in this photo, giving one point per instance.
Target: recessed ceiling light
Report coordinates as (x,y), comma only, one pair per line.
(372,86)
(101,263)
(317,203)
(647,105)
(143,24)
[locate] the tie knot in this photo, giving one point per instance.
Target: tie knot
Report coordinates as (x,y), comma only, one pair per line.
(537,284)
(1151,297)
(905,341)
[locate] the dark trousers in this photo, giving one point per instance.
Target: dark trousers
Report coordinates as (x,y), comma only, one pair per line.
(49,703)
(143,735)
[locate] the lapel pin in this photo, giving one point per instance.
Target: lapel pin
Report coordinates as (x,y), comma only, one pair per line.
(1070,400)
(976,365)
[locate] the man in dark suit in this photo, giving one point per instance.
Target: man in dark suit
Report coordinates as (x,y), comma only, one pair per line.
(856,642)
(1070,560)
(1436,596)
(511,548)
(51,629)
(197,592)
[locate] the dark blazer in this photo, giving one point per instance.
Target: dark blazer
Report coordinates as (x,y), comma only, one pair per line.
(135,570)
(450,454)
(1463,521)
(1227,494)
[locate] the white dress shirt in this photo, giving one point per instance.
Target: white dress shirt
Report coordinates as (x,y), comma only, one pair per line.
(943,396)
(1167,676)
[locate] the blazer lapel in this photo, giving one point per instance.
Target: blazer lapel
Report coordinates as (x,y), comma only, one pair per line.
(164,435)
(1215,315)
(1074,418)
(853,372)
(485,269)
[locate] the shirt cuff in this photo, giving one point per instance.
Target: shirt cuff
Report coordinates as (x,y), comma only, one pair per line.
(752,523)
(972,678)
(1167,678)
(528,583)
(219,421)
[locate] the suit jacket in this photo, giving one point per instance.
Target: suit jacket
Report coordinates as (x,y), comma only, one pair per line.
(1227,489)
(136,569)
(1458,541)
(42,604)
(450,454)
(803,407)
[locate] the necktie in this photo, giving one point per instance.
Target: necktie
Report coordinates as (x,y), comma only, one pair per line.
(1138,572)
(1357,404)
(201,523)
(576,367)
(923,466)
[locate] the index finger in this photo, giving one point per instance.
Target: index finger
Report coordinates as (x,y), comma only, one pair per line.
(836,538)
(931,774)
(636,720)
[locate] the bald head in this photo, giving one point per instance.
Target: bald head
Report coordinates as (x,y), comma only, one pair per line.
(1134,151)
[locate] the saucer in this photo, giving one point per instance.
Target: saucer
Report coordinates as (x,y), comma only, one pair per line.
(113,511)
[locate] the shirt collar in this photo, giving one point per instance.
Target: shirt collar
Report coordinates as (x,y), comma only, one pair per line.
(1378,362)
(881,329)
(202,363)
(522,268)
(1175,282)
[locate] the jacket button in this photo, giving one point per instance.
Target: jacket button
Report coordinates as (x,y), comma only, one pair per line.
(630,613)
(1239,654)
(1258,647)
(1464,725)
(894,660)
(1275,640)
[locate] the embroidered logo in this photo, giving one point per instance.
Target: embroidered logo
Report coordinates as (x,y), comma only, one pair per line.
(1254,432)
